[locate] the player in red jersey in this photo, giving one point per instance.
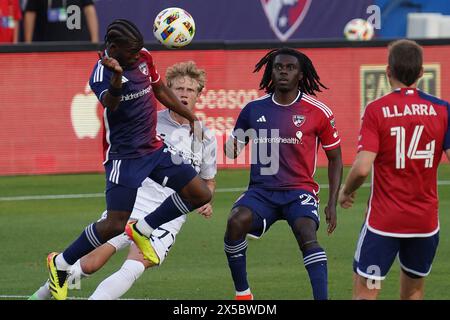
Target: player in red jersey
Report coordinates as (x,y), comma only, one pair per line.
(290,124)
(402,138)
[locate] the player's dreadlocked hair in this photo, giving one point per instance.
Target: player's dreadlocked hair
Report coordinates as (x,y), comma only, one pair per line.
(310,82)
(124,32)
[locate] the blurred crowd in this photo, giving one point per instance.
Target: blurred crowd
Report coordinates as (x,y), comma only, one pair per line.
(47,20)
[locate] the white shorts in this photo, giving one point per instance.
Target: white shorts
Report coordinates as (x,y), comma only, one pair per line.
(162,238)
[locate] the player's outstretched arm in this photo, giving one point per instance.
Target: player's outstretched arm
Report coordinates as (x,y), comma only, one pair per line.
(334,180)
(207,209)
(232,148)
(447,152)
(356,177)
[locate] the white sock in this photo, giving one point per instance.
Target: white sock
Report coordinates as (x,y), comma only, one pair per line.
(43,293)
(117,284)
(144,227)
(243,293)
(61,263)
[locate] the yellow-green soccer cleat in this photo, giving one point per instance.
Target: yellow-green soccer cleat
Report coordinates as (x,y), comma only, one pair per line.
(142,242)
(58,283)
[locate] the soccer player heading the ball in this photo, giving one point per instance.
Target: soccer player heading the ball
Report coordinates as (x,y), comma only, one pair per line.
(126,81)
(187,81)
(285,128)
(402,138)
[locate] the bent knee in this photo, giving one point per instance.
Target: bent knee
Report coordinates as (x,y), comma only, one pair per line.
(201,198)
(117,226)
(239,223)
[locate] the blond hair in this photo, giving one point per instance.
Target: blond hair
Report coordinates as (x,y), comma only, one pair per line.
(188,68)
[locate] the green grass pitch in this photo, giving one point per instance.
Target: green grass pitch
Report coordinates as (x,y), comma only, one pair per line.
(196,267)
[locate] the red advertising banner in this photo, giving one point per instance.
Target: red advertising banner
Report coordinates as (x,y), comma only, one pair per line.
(51,122)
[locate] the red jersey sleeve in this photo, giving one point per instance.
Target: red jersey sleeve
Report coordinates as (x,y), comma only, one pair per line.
(17,11)
(329,136)
(152,71)
(369,139)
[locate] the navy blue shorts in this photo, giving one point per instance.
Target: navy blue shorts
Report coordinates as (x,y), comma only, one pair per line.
(375,254)
(271,205)
(124,177)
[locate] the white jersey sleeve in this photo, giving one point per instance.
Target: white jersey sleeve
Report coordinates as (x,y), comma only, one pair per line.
(208,167)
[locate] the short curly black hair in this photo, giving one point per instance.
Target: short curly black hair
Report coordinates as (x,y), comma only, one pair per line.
(124,33)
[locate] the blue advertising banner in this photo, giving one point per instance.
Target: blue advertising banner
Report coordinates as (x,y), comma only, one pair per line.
(219,20)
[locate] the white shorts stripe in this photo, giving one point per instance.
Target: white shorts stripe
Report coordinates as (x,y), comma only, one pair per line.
(118,171)
(417,273)
(360,242)
(111,175)
(115,163)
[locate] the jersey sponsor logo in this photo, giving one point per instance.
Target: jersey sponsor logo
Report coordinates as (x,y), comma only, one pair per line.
(135,95)
(285,16)
(276,140)
(299,135)
(298,120)
(144,68)
(261,119)
(374,83)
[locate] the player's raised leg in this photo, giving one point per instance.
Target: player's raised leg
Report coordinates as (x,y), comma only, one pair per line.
(235,243)
(192,193)
(117,284)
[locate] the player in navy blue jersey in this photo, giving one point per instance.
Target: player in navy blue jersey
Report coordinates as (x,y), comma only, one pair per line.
(284,128)
(126,82)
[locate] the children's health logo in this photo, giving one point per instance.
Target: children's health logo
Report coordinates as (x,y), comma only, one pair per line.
(285,16)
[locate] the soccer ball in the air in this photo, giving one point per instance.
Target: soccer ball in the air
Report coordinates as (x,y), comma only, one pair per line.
(174,27)
(358,29)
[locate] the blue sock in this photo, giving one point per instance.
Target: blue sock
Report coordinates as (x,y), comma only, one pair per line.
(315,261)
(170,209)
(86,242)
(235,251)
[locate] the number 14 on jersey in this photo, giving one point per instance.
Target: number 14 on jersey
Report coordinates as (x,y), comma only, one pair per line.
(413,153)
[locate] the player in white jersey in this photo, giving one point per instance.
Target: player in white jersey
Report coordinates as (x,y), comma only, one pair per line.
(187,81)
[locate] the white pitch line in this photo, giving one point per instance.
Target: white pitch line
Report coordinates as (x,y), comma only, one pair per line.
(100,195)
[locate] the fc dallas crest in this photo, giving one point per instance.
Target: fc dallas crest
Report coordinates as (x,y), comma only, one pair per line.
(144,68)
(285,15)
(298,120)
